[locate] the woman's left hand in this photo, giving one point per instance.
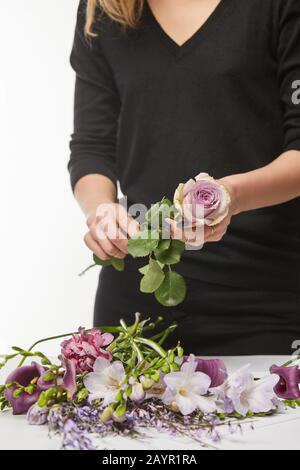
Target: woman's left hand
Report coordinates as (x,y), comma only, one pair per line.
(197,236)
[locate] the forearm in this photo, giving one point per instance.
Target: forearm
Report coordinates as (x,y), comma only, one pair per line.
(92,190)
(270,185)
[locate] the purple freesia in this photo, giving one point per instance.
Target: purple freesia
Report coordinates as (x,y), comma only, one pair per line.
(289,380)
(214,368)
(25,376)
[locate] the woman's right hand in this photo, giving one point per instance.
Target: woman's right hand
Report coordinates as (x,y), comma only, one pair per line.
(110,227)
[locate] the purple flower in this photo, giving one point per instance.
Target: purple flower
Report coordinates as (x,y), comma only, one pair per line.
(26,376)
(202,200)
(37,416)
(74,438)
(85,347)
(214,368)
(288,385)
(69,379)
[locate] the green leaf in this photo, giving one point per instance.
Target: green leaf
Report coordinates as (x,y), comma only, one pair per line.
(118,264)
(172,291)
(144,269)
(143,243)
(101,262)
(153,278)
(169,254)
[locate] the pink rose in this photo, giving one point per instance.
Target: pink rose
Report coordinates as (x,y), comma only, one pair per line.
(202,201)
(85,347)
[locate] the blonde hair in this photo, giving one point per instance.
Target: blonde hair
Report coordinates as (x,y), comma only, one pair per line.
(125,12)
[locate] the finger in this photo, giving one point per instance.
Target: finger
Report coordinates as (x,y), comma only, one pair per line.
(95,247)
(214,234)
(194,236)
(106,244)
(128,225)
(108,229)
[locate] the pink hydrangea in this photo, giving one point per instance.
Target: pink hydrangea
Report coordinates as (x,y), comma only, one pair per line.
(85,347)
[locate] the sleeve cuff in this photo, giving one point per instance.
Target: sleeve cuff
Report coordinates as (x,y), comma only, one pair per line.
(294,145)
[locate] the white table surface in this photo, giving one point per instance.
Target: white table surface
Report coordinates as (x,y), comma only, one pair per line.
(281,432)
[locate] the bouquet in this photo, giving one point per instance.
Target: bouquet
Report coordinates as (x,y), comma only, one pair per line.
(199,202)
(120,380)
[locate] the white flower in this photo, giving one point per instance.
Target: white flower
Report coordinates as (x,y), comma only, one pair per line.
(247,394)
(186,389)
(105,381)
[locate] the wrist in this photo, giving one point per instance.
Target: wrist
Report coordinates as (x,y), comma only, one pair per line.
(232,185)
(94,209)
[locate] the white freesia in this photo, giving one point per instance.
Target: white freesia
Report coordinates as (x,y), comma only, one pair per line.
(247,394)
(106,380)
(186,389)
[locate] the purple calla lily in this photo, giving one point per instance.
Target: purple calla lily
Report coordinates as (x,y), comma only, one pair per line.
(69,378)
(214,368)
(288,385)
(24,376)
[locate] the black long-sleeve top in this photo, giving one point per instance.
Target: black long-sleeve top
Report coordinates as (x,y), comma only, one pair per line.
(151,114)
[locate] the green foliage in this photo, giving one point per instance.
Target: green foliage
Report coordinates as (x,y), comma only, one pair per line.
(153,278)
(154,242)
(169,251)
(172,291)
(118,264)
(143,243)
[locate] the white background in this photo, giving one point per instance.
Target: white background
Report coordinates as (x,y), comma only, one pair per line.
(41,247)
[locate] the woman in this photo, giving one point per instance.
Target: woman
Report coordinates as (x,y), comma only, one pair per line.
(166,89)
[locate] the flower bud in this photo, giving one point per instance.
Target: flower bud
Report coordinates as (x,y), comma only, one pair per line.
(165,368)
(171,356)
(180,352)
(174,407)
(147,384)
(107,414)
(37,415)
(155,375)
(18,392)
(120,414)
(138,393)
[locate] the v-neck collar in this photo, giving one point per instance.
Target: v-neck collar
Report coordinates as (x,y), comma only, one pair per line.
(173,46)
